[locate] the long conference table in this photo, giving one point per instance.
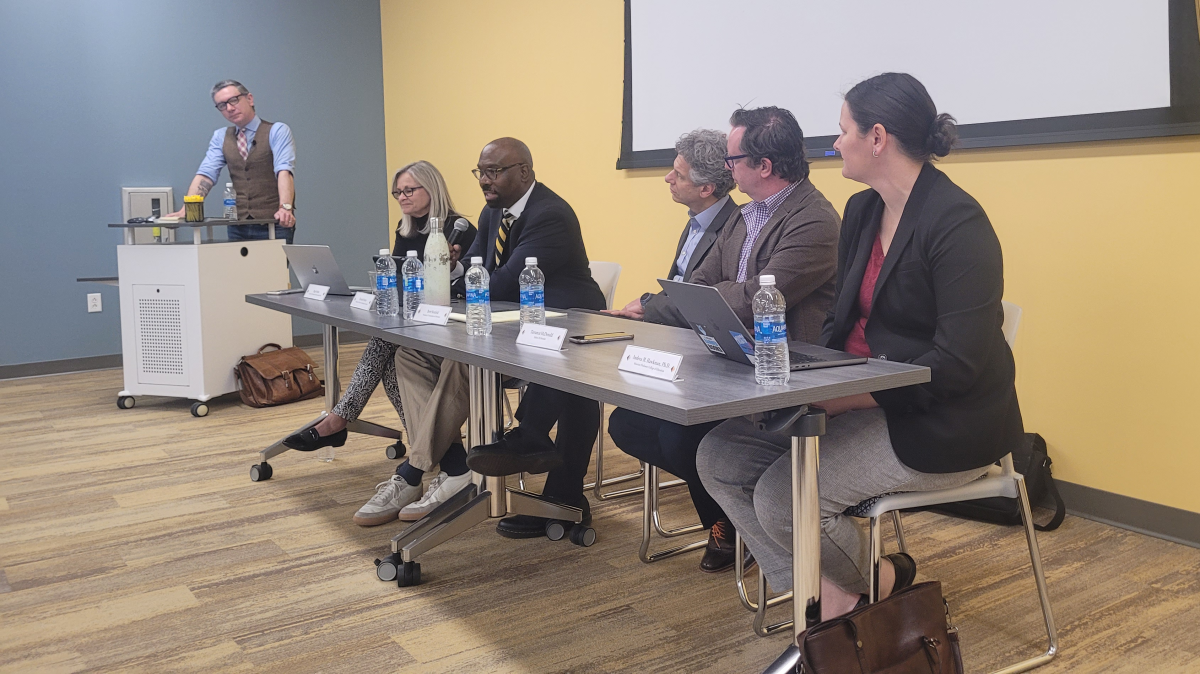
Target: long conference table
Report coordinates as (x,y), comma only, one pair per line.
(708,388)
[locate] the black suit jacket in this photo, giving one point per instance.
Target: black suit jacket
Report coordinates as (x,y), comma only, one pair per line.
(549,231)
(659,308)
(937,304)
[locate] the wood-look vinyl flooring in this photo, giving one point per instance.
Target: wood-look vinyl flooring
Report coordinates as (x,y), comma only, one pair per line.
(134,540)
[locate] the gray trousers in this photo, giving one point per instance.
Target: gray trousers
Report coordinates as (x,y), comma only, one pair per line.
(437,395)
(749,472)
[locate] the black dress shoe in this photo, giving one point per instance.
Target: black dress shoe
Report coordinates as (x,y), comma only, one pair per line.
(308,440)
(528,526)
(906,570)
(515,452)
(719,554)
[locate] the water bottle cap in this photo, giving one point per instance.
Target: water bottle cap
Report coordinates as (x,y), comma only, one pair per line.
(766,280)
(228,184)
(412,253)
(384,251)
(530,260)
(477,260)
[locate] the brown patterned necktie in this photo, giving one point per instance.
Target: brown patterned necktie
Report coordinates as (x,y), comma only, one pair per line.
(502,235)
(241,143)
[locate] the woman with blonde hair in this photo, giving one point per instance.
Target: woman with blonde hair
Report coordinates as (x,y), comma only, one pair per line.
(421,192)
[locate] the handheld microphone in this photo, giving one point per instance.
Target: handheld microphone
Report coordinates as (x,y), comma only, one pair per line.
(460,230)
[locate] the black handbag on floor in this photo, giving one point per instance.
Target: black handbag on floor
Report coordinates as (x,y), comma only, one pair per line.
(1032,461)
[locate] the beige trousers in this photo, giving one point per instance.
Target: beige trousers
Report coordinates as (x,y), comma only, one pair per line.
(436,394)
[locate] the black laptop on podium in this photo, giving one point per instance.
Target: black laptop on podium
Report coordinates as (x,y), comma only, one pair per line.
(719,328)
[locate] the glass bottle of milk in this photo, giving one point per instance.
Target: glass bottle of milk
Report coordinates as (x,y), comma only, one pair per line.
(437,266)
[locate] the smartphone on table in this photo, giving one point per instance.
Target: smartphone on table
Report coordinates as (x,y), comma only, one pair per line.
(599,338)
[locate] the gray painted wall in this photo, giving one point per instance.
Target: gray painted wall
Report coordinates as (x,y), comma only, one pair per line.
(102,95)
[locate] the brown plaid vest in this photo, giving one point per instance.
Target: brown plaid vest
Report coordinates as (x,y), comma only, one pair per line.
(254,177)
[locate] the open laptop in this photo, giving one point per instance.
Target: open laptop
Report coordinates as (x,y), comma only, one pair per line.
(315,264)
(719,328)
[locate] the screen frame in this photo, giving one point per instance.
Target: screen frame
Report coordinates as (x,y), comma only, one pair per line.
(1182,118)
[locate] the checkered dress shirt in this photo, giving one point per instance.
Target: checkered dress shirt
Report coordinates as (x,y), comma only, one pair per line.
(756,214)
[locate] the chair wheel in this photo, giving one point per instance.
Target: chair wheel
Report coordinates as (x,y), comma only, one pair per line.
(555,530)
(126,402)
(388,568)
(260,472)
(199,409)
(396,450)
(410,574)
(583,536)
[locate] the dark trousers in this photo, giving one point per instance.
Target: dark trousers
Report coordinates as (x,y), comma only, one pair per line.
(578,422)
(669,446)
(259,232)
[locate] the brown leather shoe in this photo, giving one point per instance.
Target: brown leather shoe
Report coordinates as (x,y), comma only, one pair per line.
(719,554)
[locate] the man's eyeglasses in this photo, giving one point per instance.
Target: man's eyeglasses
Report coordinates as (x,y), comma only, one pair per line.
(224,105)
(729,160)
(406,191)
(492,173)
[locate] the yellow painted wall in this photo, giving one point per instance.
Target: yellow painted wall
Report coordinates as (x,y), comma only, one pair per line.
(1100,240)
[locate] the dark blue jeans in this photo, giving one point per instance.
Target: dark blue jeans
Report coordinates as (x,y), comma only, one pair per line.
(669,446)
(259,232)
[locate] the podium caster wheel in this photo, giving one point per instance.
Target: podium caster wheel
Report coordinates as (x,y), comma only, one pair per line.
(260,472)
(126,402)
(388,568)
(396,451)
(410,574)
(555,530)
(583,536)
(198,409)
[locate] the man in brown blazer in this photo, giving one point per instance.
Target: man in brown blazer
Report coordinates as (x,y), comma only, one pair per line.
(789,230)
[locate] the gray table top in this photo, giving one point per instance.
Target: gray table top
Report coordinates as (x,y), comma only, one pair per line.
(710,388)
(180,224)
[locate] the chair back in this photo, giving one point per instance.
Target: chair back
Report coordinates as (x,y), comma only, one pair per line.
(1012,320)
(606,275)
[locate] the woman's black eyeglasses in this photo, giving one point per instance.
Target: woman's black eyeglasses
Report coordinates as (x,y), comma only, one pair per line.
(407,191)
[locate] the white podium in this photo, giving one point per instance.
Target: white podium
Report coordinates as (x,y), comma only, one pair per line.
(184,318)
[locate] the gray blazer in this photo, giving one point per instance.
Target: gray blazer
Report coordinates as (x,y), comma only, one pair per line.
(799,245)
(659,309)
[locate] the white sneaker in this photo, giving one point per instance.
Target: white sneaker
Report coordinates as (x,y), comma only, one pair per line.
(441,489)
(390,496)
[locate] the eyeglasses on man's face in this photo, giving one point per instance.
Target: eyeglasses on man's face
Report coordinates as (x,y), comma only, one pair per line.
(405,191)
(731,159)
(226,104)
(492,172)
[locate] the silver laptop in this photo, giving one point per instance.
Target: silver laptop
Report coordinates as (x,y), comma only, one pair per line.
(724,335)
(315,264)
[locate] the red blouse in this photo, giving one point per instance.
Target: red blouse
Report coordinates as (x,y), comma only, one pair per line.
(856,341)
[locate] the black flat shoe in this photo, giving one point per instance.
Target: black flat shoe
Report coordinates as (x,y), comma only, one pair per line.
(528,526)
(906,570)
(515,452)
(308,440)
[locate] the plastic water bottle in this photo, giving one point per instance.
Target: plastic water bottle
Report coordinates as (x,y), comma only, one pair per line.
(771,363)
(414,284)
(533,293)
(230,202)
(387,302)
(479,299)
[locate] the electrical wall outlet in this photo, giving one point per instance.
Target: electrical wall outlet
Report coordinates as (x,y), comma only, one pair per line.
(94,304)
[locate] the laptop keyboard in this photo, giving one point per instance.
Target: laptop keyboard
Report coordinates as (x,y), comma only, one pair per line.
(802,358)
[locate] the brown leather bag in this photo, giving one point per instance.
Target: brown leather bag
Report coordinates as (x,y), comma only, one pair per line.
(277,377)
(910,632)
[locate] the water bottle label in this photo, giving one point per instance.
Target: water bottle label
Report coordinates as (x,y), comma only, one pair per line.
(533,297)
(385,282)
(479,296)
(230,203)
(770,330)
(414,284)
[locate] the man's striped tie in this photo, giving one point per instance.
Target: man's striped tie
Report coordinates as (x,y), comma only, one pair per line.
(502,235)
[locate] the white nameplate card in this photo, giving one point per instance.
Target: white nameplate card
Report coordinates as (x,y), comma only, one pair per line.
(651,362)
(432,313)
(362,300)
(542,336)
(316,292)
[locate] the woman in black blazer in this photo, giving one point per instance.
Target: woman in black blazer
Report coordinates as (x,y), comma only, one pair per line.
(920,279)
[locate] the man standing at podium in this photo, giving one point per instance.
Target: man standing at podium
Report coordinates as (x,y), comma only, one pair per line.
(260,156)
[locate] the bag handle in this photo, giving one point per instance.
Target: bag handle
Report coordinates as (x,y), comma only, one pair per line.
(264,346)
(1060,507)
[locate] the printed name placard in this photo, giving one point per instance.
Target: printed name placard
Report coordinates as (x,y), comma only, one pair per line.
(651,362)
(362,300)
(432,313)
(542,336)
(316,292)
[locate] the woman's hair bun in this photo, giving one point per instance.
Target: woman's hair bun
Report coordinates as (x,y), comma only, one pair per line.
(943,135)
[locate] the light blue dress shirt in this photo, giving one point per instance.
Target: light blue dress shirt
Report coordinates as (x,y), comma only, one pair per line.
(699,224)
(283,148)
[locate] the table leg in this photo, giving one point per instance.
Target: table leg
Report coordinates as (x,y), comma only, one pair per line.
(271,230)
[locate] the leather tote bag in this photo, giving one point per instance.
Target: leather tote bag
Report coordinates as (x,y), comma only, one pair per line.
(277,377)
